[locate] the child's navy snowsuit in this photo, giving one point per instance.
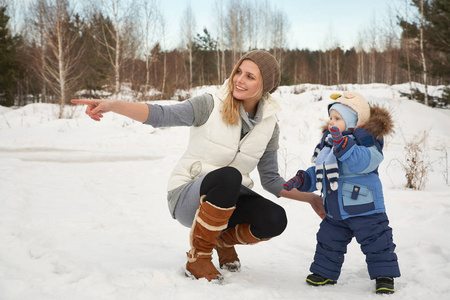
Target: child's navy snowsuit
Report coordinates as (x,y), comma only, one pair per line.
(355,209)
(371,232)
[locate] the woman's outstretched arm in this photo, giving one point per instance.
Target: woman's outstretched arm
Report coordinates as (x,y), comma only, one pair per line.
(96,108)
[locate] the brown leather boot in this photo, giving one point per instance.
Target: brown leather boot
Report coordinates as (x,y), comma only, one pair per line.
(209,221)
(239,234)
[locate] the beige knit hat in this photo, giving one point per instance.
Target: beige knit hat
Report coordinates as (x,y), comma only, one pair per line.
(269,67)
(357,102)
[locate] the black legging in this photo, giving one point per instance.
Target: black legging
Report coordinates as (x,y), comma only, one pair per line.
(223,188)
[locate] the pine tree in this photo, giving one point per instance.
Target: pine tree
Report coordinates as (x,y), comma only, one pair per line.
(204,48)
(436,36)
(437,32)
(8,61)
(95,59)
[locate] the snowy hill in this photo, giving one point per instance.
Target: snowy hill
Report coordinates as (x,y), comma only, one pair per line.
(83,211)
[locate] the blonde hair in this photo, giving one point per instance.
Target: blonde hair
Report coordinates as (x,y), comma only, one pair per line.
(230,112)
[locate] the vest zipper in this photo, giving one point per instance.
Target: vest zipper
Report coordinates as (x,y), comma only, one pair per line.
(239,147)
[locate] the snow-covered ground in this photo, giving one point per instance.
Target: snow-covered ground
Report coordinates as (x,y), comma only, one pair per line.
(83,212)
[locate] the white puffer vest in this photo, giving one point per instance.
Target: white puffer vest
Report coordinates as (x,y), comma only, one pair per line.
(216,144)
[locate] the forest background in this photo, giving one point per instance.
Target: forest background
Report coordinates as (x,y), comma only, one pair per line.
(54,50)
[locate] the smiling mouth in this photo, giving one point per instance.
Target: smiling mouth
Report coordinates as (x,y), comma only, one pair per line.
(240,89)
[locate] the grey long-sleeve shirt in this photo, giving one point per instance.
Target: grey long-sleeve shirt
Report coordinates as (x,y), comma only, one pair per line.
(196,111)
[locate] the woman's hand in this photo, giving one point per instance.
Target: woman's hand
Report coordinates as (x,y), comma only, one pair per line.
(95,107)
(317,204)
(314,200)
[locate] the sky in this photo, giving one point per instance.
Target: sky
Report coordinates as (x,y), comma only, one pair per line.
(311,22)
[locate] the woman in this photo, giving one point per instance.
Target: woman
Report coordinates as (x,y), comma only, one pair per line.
(232,132)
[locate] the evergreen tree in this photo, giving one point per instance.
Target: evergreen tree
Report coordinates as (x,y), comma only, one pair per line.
(436,36)
(8,61)
(98,70)
(204,50)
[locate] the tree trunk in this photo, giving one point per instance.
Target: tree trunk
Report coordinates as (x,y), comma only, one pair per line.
(422,53)
(338,78)
(190,66)
(117,56)
(61,69)
(164,75)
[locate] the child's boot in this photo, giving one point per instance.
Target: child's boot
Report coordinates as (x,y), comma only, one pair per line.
(384,285)
(317,280)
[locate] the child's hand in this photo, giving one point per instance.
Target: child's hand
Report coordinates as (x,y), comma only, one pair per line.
(295,182)
(336,135)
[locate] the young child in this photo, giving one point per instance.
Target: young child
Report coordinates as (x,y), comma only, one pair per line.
(345,169)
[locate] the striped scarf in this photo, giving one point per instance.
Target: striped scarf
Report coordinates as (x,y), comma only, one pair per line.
(326,163)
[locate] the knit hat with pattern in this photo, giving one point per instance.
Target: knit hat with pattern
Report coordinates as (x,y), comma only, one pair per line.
(357,102)
(268,66)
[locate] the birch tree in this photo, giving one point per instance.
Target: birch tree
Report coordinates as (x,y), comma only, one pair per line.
(408,49)
(151,31)
(121,13)
(390,43)
(36,20)
(280,27)
(219,8)
(330,43)
(64,51)
(234,27)
(188,33)
(163,35)
(254,15)
(266,22)
(360,54)
(422,53)
(373,45)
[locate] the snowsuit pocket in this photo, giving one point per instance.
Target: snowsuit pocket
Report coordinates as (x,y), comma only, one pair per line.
(357,198)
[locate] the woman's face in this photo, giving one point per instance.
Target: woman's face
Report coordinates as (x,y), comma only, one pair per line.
(247,82)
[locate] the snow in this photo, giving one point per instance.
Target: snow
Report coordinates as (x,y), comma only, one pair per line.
(83,211)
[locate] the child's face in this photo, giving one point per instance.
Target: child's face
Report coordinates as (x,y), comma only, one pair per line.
(336,120)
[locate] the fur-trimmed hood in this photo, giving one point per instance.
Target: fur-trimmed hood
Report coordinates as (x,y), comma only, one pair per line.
(379,124)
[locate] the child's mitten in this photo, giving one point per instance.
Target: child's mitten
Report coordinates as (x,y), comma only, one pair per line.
(295,182)
(336,135)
